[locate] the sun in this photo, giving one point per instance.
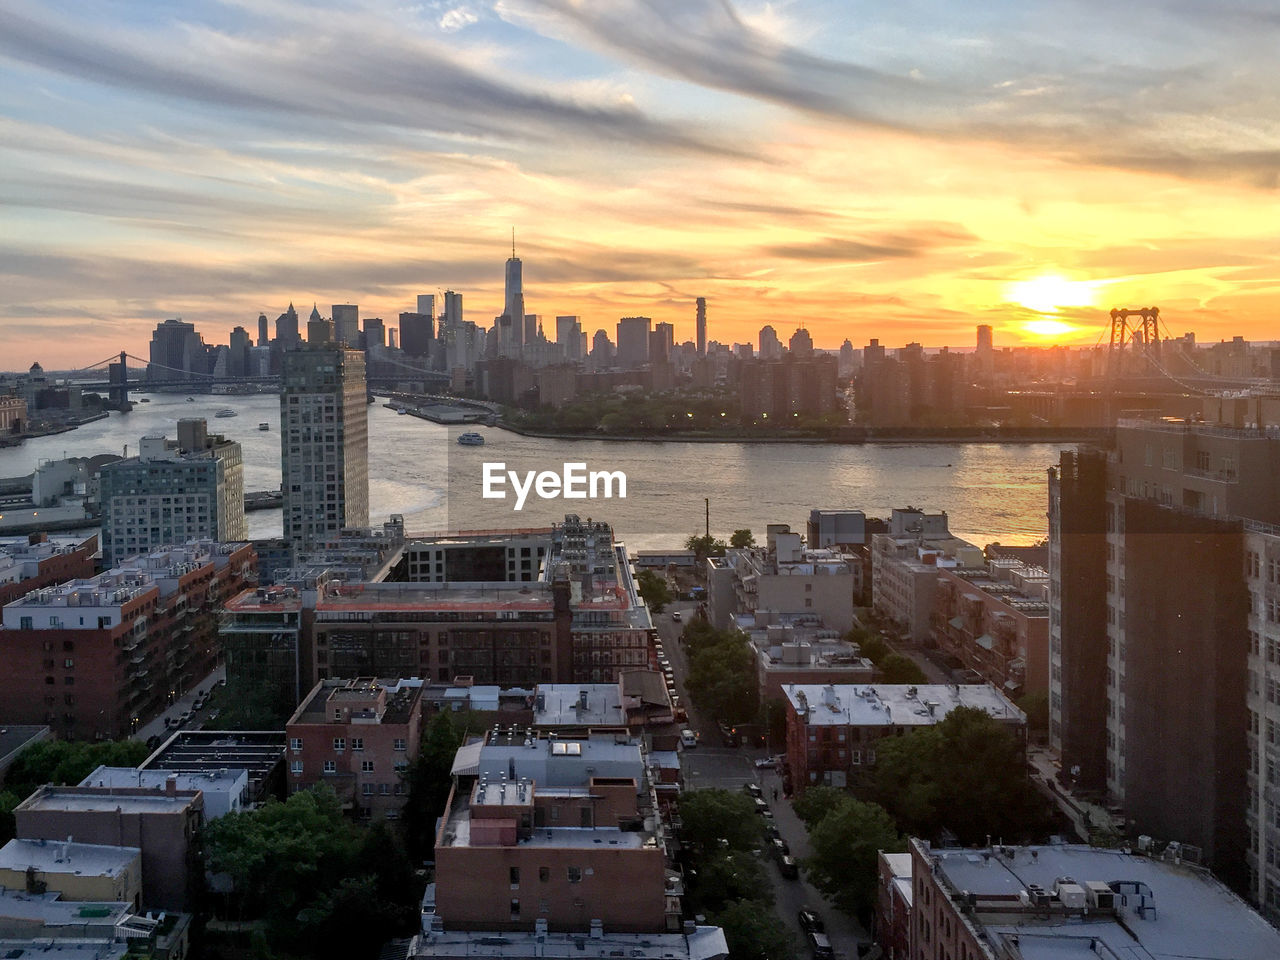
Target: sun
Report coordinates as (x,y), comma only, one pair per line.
(1046,294)
(1049,328)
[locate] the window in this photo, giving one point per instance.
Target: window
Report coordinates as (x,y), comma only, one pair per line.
(295,744)
(295,767)
(366,789)
(544,874)
(399,744)
(339,744)
(515,909)
(68,663)
(366,766)
(515,878)
(575,874)
(330,766)
(357,743)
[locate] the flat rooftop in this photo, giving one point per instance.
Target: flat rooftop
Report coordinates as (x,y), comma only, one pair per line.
(49,910)
(198,751)
(1194,915)
(397,701)
(225,779)
(704,943)
(562,704)
(895,704)
(530,597)
(79,859)
(95,799)
(63,949)
(559,762)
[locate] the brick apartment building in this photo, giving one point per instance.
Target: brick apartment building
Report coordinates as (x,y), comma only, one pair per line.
(29,563)
(97,658)
(356,736)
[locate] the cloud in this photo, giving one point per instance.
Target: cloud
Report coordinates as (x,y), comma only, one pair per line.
(457,18)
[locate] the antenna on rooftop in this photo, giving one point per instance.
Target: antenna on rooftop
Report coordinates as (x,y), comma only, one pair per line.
(513,243)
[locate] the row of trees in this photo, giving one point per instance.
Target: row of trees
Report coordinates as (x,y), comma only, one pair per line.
(893,667)
(722,672)
(726,879)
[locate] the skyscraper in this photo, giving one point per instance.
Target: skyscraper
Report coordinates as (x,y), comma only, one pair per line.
(984,338)
(375,333)
(514,311)
(416,333)
(569,336)
(324,443)
(427,304)
(633,342)
(346,324)
(287,335)
(319,330)
(770,345)
(262,330)
(801,344)
(176,351)
(702,326)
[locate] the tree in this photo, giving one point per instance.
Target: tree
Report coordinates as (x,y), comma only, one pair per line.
(845,845)
(722,676)
(895,668)
(755,932)
(8,827)
(742,538)
(704,546)
(967,773)
(816,802)
(728,876)
(653,590)
(873,647)
(67,762)
(429,780)
(1036,707)
(709,816)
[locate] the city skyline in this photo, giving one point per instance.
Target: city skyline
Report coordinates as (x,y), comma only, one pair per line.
(924,171)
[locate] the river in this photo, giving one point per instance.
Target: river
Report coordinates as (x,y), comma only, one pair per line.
(991,491)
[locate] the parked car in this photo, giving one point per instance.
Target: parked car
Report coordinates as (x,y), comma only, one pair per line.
(771,830)
(728,735)
(761,806)
(186,717)
(753,789)
(198,705)
(788,868)
(688,738)
(810,922)
(675,615)
(780,848)
(820,946)
(766,763)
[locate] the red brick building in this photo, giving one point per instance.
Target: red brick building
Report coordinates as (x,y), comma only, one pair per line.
(29,563)
(99,657)
(358,737)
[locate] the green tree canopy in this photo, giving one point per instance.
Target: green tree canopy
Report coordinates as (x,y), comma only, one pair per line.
(845,845)
(653,590)
(65,762)
(895,668)
(742,538)
(967,773)
(705,545)
(755,932)
(429,779)
(722,676)
(816,802)
(727,876)
(709,816)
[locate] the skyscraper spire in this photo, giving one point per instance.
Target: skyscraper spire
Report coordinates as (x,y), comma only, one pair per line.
(513,242)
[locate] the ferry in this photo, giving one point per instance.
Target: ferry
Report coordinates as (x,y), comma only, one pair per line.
(471,440)
(264,426)
(191,399)
(226,412)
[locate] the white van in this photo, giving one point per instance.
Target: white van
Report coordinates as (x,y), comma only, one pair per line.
(688,738)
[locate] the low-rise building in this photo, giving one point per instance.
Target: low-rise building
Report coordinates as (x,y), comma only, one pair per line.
(893,905)
(74,871)
(904,568)
(699,942)
(226,789)
(995,620)
(163,824)
(787,654)
(1075,901)
(357,736)
(567,827)
(832,731)
(29,563)
(259,754)
(97,658)
(46,925)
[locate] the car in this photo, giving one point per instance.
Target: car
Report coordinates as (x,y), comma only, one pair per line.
(728,735)
(766,763)
(675,615)
(780,848)
(186,717)
(171,722)
(222,683)
(688,738)
(753,789)
(198,705)
(788,868)
(761,806)
(820,946)
(810,922)
(771,830)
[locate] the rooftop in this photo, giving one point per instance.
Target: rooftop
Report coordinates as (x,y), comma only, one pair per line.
(224,779)
(551,761)
(120,799)
(51,911)
(1171,911)
(363,700)
(703,943)
(63,949)
(578,704)
(79,859)
(894,704)
(198,751)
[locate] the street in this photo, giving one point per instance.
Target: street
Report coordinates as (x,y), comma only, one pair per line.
(712,765)
(156,727)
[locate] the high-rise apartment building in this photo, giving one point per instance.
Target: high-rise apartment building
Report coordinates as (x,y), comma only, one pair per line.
(375,333)
(176,351)
(1163,596)
(172,492)
(416,332)
(324,443)
(801,343)
(238,353)
(633,342)
(770,345)
(346,324)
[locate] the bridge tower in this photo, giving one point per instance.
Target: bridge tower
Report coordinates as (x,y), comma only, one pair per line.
(118,377)
(1142,338)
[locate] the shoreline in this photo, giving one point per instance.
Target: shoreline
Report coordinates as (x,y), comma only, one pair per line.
(1032,435)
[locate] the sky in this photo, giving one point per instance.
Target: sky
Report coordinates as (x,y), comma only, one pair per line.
(901,170)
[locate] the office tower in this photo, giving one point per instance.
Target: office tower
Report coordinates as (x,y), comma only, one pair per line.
(1163,635)
(452,308)
(984,338)
(346,324)
(602,352)
(319,330)
(416,334)
(514,302)
(569,336)
(633,342)
(191,488)
(848,358)
(391,339)
(238,352)
(324,443)
(770,345)
(176,351)
(375,333)
(427,304)
(263,338)
(661,343)
(801,344)
(702,326)
(287,335)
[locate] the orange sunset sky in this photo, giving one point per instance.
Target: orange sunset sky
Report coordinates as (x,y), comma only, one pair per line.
(899,170)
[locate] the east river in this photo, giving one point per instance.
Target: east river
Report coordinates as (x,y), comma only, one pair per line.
(991,491)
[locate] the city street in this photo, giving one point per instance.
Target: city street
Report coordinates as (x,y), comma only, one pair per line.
(156,727)
(712,765)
